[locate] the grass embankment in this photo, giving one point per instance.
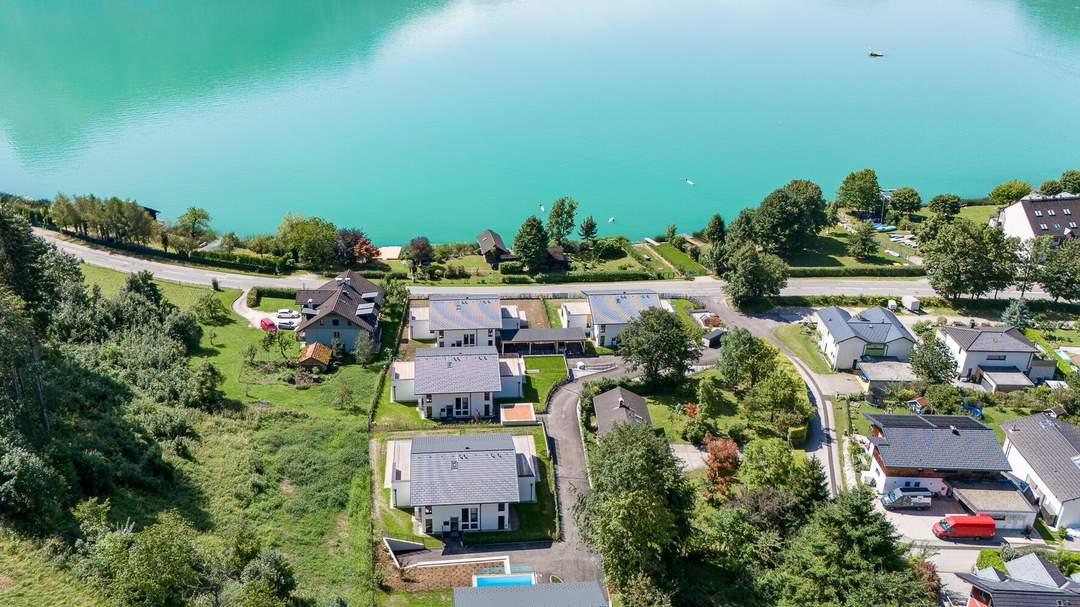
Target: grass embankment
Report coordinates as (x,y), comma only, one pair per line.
(681,261)
(551,307)
(795,338)
(420,598)
(286,461)
(1051,340)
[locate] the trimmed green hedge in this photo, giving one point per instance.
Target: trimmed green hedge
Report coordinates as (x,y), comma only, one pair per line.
(841,271)
(592,276)
(256,294)
(796,435)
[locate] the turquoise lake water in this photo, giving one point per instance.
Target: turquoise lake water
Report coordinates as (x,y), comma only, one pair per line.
(443,118)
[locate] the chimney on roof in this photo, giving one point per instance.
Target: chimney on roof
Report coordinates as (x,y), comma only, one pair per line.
(348,280)
(622,403)
(339,280)
(954,430)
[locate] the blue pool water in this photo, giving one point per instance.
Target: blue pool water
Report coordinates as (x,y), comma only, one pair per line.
(503,580)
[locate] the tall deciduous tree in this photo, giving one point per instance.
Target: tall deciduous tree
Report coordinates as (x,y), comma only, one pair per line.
(561,219)
(778,399)
(744,359)
(905,201)
(766,462)
(660,345)
(1051,187)
(860,243)
(311,240)
(194,223)
(1029,268)
(1009,192)
(860,191)
(1061,272)
(419,250)
(752,275)
(531,243)
(721,464)
(789,218)
(1070,181)
(637,515)
(945,205)
(932,361)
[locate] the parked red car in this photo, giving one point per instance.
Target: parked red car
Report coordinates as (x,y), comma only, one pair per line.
(267,325)
(967,526)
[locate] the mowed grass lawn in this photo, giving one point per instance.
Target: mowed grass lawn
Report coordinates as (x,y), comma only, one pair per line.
(28,578)
(682,262)
(802,345)
(830,250)
(541,375)
(287,461)
(420,598)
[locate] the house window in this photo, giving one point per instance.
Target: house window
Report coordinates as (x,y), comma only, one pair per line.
(427,510)
(1072,224)
(996,357)
(470,339)
(502,507)
(1038,213)
(1057,226)
(1042,226)
(461,406)
(334,322)
(337,334)
(487,395)
(1050,212)
(470,518)
(427,526)
(875,350)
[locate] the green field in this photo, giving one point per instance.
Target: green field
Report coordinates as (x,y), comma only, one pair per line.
(830,250)
(288,461)
(802,345)
(682,309)
(551,307)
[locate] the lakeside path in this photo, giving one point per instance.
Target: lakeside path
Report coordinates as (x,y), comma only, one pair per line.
(705,286)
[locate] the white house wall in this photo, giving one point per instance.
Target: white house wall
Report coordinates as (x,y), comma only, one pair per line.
(1014,222)
(438,402)
(885,484)
(512,387)
(400,494)
(401,391)
(527,488)
(420,330)
(455,338)
(967,362)
(488,515)
(1068,514)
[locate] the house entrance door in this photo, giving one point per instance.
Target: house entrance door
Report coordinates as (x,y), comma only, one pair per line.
(453,524)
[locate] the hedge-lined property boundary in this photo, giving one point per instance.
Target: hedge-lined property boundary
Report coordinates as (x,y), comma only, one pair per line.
(852,271)
(255,294)
(817,301)
(220,259)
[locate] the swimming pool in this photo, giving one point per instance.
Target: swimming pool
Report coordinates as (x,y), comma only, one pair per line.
(484,581)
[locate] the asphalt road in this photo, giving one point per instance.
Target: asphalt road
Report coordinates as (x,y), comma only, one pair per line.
(701,287)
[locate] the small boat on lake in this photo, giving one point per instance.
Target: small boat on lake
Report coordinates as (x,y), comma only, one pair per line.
(877,54)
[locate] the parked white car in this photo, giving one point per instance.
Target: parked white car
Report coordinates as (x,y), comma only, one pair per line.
(287,313)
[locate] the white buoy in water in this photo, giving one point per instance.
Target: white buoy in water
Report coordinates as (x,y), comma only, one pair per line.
(689,181)
(611,219)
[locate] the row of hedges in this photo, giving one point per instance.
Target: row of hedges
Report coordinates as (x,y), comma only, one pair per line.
(593,276)
(840,271)
(818,301)
(256,294)
(220,259)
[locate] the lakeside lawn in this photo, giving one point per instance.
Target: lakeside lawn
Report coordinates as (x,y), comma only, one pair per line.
(287,461)
(802,345)
(830,250)
(682,262)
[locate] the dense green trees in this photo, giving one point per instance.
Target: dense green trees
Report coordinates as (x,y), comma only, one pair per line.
(945,205)
(860,192)
(660,345)
(194,224)
(1060,275)
(861,244)
(1051,187)
(531,243)
(788,219)
(1017,314)
(561,219)
(311,241)
(752,275)
(587,231)
(905,201)
(1070,181)
(744,359)
(932,361)
(716,230)
(107,218)
(637,515)
(1009,192)
(965,258)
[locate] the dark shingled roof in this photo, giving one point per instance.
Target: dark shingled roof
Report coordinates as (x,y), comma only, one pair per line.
(1048,446)
(566,594)
(874,325)
(349,295)
(1038,208)
(990,339)
(1031,581)
(490,239)
(937,442)
(619,405)
(466,469)
(456,370)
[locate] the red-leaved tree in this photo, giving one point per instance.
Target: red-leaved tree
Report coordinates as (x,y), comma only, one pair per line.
(721,464)
(364,250)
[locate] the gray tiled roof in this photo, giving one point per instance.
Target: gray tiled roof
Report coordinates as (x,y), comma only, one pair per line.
(448,312)
(465,469)
(609,411)
(990,339)
(567,594)
(1031,582)
(937,442)
(349,295)
(456,370)
(620,307)
(873,325)
(1048,446)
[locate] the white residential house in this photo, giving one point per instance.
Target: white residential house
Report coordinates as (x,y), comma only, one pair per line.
(457,383)
(461,483)
(576,314)
(873,333)
(611,311)
(999,358)
(1044,453)
(463,321)
(1038,215)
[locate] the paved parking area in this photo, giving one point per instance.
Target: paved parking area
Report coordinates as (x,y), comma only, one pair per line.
(917,524)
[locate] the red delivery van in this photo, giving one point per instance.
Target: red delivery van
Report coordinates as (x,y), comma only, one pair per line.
(973,526)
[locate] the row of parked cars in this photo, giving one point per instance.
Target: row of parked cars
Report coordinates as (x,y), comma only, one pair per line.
(286,319)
